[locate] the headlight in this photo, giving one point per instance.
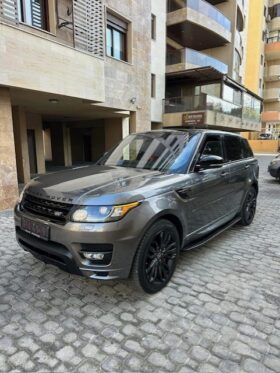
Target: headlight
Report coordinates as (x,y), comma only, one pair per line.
(102,214)
(274,162)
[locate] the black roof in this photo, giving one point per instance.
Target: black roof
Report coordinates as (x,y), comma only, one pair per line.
(182,130)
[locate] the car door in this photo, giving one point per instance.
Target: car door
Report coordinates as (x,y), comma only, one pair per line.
(239,168)
(209,190)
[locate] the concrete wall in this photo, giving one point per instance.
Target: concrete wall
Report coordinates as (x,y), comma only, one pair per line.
(265,146)
(113,132)
(8,173)
(33,62)
(158,59)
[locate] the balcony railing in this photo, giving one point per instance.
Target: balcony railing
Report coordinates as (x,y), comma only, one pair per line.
(192,57)
(202,7)
(201,102)
(204,102)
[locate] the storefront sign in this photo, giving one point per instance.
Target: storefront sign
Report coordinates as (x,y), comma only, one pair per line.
(194,119)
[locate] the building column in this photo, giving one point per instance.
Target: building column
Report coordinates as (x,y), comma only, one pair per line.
(67,146)
(8,172)
(125,127)
(21,145)
(132,122)
(113,132)
(34,121)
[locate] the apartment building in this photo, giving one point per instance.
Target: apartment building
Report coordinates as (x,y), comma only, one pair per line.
(75,78)
(271,113)
(206,44)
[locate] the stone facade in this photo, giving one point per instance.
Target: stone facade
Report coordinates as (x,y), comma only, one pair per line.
(8,174)
(127,80)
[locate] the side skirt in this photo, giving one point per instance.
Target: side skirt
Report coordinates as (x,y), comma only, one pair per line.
(217,232)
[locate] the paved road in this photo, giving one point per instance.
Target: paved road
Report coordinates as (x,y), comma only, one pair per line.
(219,314)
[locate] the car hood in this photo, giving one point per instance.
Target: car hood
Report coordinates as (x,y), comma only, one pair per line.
(101,185)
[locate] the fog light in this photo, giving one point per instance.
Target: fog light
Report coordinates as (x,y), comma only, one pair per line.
(93,256)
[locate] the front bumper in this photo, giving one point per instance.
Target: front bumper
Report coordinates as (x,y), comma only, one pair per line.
(67,243)
(274,170)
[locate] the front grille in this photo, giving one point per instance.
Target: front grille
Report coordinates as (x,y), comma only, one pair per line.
(57,212)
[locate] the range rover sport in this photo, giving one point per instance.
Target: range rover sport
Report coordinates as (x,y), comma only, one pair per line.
(152,196)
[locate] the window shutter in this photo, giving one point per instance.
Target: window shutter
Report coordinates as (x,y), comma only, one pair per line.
(38,13)
(9,11)
(89,26)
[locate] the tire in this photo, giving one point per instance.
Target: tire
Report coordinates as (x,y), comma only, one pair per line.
(249,207)
(156,257)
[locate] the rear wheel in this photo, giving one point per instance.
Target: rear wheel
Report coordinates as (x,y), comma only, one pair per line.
(249,207)
(156,257)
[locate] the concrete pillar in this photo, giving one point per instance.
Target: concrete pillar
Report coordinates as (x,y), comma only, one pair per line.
(21,145)
(125,127)
(133,122)
(113,132)
(8,173)
(98,142)
(34,121)
(67,146)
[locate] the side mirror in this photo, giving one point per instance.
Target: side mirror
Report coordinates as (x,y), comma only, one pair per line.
(207,162)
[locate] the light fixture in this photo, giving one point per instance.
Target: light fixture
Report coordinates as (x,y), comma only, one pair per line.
(53,100)
(133,100)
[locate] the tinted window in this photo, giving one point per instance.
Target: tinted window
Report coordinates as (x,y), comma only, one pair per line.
(235,148)
(165,151)
(213,146)
(247,151)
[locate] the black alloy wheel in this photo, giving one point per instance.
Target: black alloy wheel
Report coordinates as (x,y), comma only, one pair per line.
(156,257)
(249,207)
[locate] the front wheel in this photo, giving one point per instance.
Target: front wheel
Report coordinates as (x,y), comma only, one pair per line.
(156,257)
(249,207)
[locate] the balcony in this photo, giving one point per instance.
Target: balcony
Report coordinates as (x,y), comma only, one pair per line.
(197,24)
(271,95)
(272,73)
(185,59)
(271,116)
(215,113)
(272,48)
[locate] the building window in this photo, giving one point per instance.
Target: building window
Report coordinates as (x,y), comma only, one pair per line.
(261,59)
(34,13)
(264,11)
(154,26)
(116,38)
(153,85)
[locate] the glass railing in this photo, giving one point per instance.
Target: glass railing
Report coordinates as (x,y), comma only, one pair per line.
(201,102)
(250,111)
(190,56)
(202,7)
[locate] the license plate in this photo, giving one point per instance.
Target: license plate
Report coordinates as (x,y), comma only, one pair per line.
(39,230)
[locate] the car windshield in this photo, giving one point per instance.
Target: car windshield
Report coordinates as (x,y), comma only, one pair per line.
(163,151)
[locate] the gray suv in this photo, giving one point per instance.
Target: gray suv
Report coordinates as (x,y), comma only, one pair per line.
(152,196)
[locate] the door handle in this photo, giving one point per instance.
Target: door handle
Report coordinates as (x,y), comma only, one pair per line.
(247,166)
